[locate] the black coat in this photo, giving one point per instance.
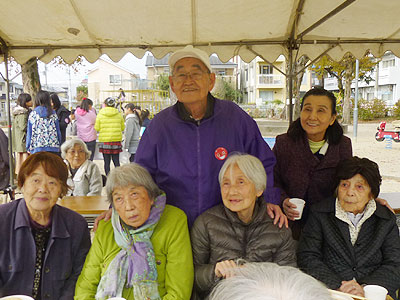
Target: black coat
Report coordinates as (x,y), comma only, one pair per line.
(63,118)
(326,252)
(218,234)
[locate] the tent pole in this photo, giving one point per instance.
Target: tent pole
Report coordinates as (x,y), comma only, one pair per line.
(10,149)
(290,83)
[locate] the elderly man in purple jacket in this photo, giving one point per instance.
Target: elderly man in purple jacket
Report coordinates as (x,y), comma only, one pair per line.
(186,144)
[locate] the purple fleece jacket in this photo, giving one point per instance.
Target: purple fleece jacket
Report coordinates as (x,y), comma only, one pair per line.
(182,157)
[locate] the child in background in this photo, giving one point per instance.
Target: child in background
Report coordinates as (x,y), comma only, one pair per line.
(71,131)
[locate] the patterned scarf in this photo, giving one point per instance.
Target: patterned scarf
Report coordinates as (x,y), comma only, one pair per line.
(135,265)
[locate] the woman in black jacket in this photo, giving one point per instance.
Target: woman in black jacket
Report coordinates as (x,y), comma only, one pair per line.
(239,229)
(62,114)
(351,240)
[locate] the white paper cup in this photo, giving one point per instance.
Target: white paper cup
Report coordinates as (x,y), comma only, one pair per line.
(299,206)
(375,292)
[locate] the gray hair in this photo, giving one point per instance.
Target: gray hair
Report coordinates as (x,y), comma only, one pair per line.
(68,144)
(250,165)
(131,174)
(269,281)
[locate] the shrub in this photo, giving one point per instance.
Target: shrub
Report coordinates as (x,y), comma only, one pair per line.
(372,109)
(396,109)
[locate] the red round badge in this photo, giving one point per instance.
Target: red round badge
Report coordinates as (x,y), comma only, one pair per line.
(221,153)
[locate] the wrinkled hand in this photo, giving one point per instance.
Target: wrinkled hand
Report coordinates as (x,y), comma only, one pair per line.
(105,215)
(352,287)
(384,203)
(289,209)
(275,212)
(225,269)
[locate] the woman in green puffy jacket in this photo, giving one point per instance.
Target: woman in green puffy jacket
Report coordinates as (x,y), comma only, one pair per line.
(110,124)
(144,251)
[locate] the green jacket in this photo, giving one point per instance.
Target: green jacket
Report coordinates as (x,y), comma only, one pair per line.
(19,125)
(109,124)
(173,253)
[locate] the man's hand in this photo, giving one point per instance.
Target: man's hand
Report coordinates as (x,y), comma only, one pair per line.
(384,203)
(225,268)
(352,287)
(275,212)
(288,208)
(105,215)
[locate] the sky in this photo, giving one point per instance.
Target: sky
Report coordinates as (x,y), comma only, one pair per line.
(59,74)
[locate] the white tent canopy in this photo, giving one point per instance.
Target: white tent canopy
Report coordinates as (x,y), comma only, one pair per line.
(48,28)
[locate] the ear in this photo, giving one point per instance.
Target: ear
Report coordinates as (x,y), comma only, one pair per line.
(259,193)
(333,119)
(171,83)
(212,81)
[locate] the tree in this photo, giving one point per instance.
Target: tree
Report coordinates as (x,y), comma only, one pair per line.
(298,65)
(224,90)
(344,72)
(30,77)
(81,92)
(163,82)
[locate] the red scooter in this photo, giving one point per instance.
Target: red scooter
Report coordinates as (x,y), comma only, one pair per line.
(380,135)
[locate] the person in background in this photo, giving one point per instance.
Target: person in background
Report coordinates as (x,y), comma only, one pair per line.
(240,228)
(62,115)
(132,129)
(110,124)
(84,176)
(43,132)
(145,118)
(71,131)
(144,252)
(19,126)
(85,119)
(268,281)
(351,240)
(4,161)
(43,245)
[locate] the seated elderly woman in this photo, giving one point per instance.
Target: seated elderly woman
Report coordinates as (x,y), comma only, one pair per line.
(43,245)
(144,252)
(84,175)
(240,228)
(269,281)
(352,240)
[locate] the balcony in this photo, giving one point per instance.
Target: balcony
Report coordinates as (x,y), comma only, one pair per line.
(271,80)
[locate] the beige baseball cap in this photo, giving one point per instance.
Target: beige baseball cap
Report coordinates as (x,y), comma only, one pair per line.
(189,51)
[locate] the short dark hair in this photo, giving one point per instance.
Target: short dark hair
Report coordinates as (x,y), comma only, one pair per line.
(23,98)
(52,164)
(85,104)
(333,133)
(368,169)
(43,99)
(56,101)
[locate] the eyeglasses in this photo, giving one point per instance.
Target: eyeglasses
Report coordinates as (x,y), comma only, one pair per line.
(195,75)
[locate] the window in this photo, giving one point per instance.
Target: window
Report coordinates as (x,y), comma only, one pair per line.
(221,72)
(267,95)
(266,69)
(115,79)
(388,63)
